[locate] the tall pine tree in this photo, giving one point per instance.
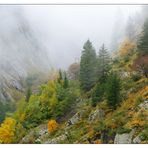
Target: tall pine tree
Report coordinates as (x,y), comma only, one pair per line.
(88,67)
(103,64)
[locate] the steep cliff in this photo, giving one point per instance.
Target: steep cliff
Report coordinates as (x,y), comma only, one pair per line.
(21,52)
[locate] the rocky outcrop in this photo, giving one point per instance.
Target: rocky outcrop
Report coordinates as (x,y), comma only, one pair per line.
(97,114)
(56,140)
(29,138)
(125,138)
(42,132)
(137,140)
(75,119)
(36,135)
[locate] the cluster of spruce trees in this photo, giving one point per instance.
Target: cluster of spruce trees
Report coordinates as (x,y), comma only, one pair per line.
(96,75)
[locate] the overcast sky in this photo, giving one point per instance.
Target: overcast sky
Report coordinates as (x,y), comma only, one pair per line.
(63,29)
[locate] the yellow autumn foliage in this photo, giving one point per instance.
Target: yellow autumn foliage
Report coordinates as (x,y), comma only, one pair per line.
(126,47)
(137,122)
(138,119)
(22,117)
(144,93)
(53,102)
(52,125)
(134,97)
(135,116)
(7,131)
(48,91)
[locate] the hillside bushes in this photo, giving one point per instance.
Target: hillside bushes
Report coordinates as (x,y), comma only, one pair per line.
(53,100)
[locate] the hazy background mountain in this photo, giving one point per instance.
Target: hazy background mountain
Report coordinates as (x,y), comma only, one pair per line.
(21,51)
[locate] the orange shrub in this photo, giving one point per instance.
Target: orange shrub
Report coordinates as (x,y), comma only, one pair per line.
(98,141)
(52,125)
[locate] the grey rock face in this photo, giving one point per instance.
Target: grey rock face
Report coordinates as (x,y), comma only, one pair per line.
(43,132)
(97,114)
(125,138)
(75,119)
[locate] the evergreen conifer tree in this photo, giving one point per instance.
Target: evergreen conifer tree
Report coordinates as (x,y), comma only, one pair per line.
(97,94)
(88,67)
(113,90)
(103,64)
(65,85)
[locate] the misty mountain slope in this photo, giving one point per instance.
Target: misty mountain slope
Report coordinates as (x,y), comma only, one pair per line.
(21,52)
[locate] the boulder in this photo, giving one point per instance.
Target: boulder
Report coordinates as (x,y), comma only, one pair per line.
(75,119)
(42,132)
(137,140)
(125,138)
(97,114)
